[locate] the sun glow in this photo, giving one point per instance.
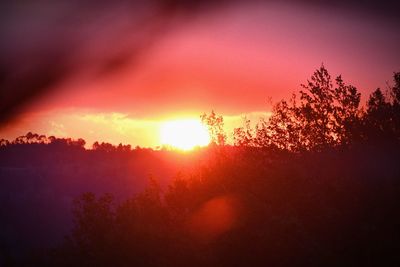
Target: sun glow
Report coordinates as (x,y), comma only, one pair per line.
(184,134)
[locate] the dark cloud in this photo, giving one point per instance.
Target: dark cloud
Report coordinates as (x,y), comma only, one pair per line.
(45,42)
(384,9)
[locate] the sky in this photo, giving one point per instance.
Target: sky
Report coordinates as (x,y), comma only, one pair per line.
(116,72)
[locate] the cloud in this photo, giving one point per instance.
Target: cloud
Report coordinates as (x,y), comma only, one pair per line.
(46,43)
(57,129)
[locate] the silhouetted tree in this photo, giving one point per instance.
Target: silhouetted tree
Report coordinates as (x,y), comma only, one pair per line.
(215,124)
(327,113)
(4,142)
(382,118)
(284,130)
(94,230)
(124,148)
(324,116)
(105,147)
(243,136)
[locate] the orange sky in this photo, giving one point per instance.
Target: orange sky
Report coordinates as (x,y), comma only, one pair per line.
(231,59)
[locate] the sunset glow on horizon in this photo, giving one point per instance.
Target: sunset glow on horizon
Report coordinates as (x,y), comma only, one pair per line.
(184,134)
(232,59)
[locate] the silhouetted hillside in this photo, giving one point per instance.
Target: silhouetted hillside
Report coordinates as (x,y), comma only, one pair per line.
(39,180)
(248,207)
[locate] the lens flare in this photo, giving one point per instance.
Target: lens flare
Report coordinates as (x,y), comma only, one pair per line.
(214,218)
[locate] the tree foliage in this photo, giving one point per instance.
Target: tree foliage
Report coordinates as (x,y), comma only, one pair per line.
(382,120)
(215,124)
(326,113)
(321,209)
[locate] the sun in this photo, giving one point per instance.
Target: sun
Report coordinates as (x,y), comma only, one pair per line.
(184,134)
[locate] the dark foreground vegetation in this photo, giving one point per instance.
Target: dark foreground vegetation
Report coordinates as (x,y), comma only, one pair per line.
(316,184)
